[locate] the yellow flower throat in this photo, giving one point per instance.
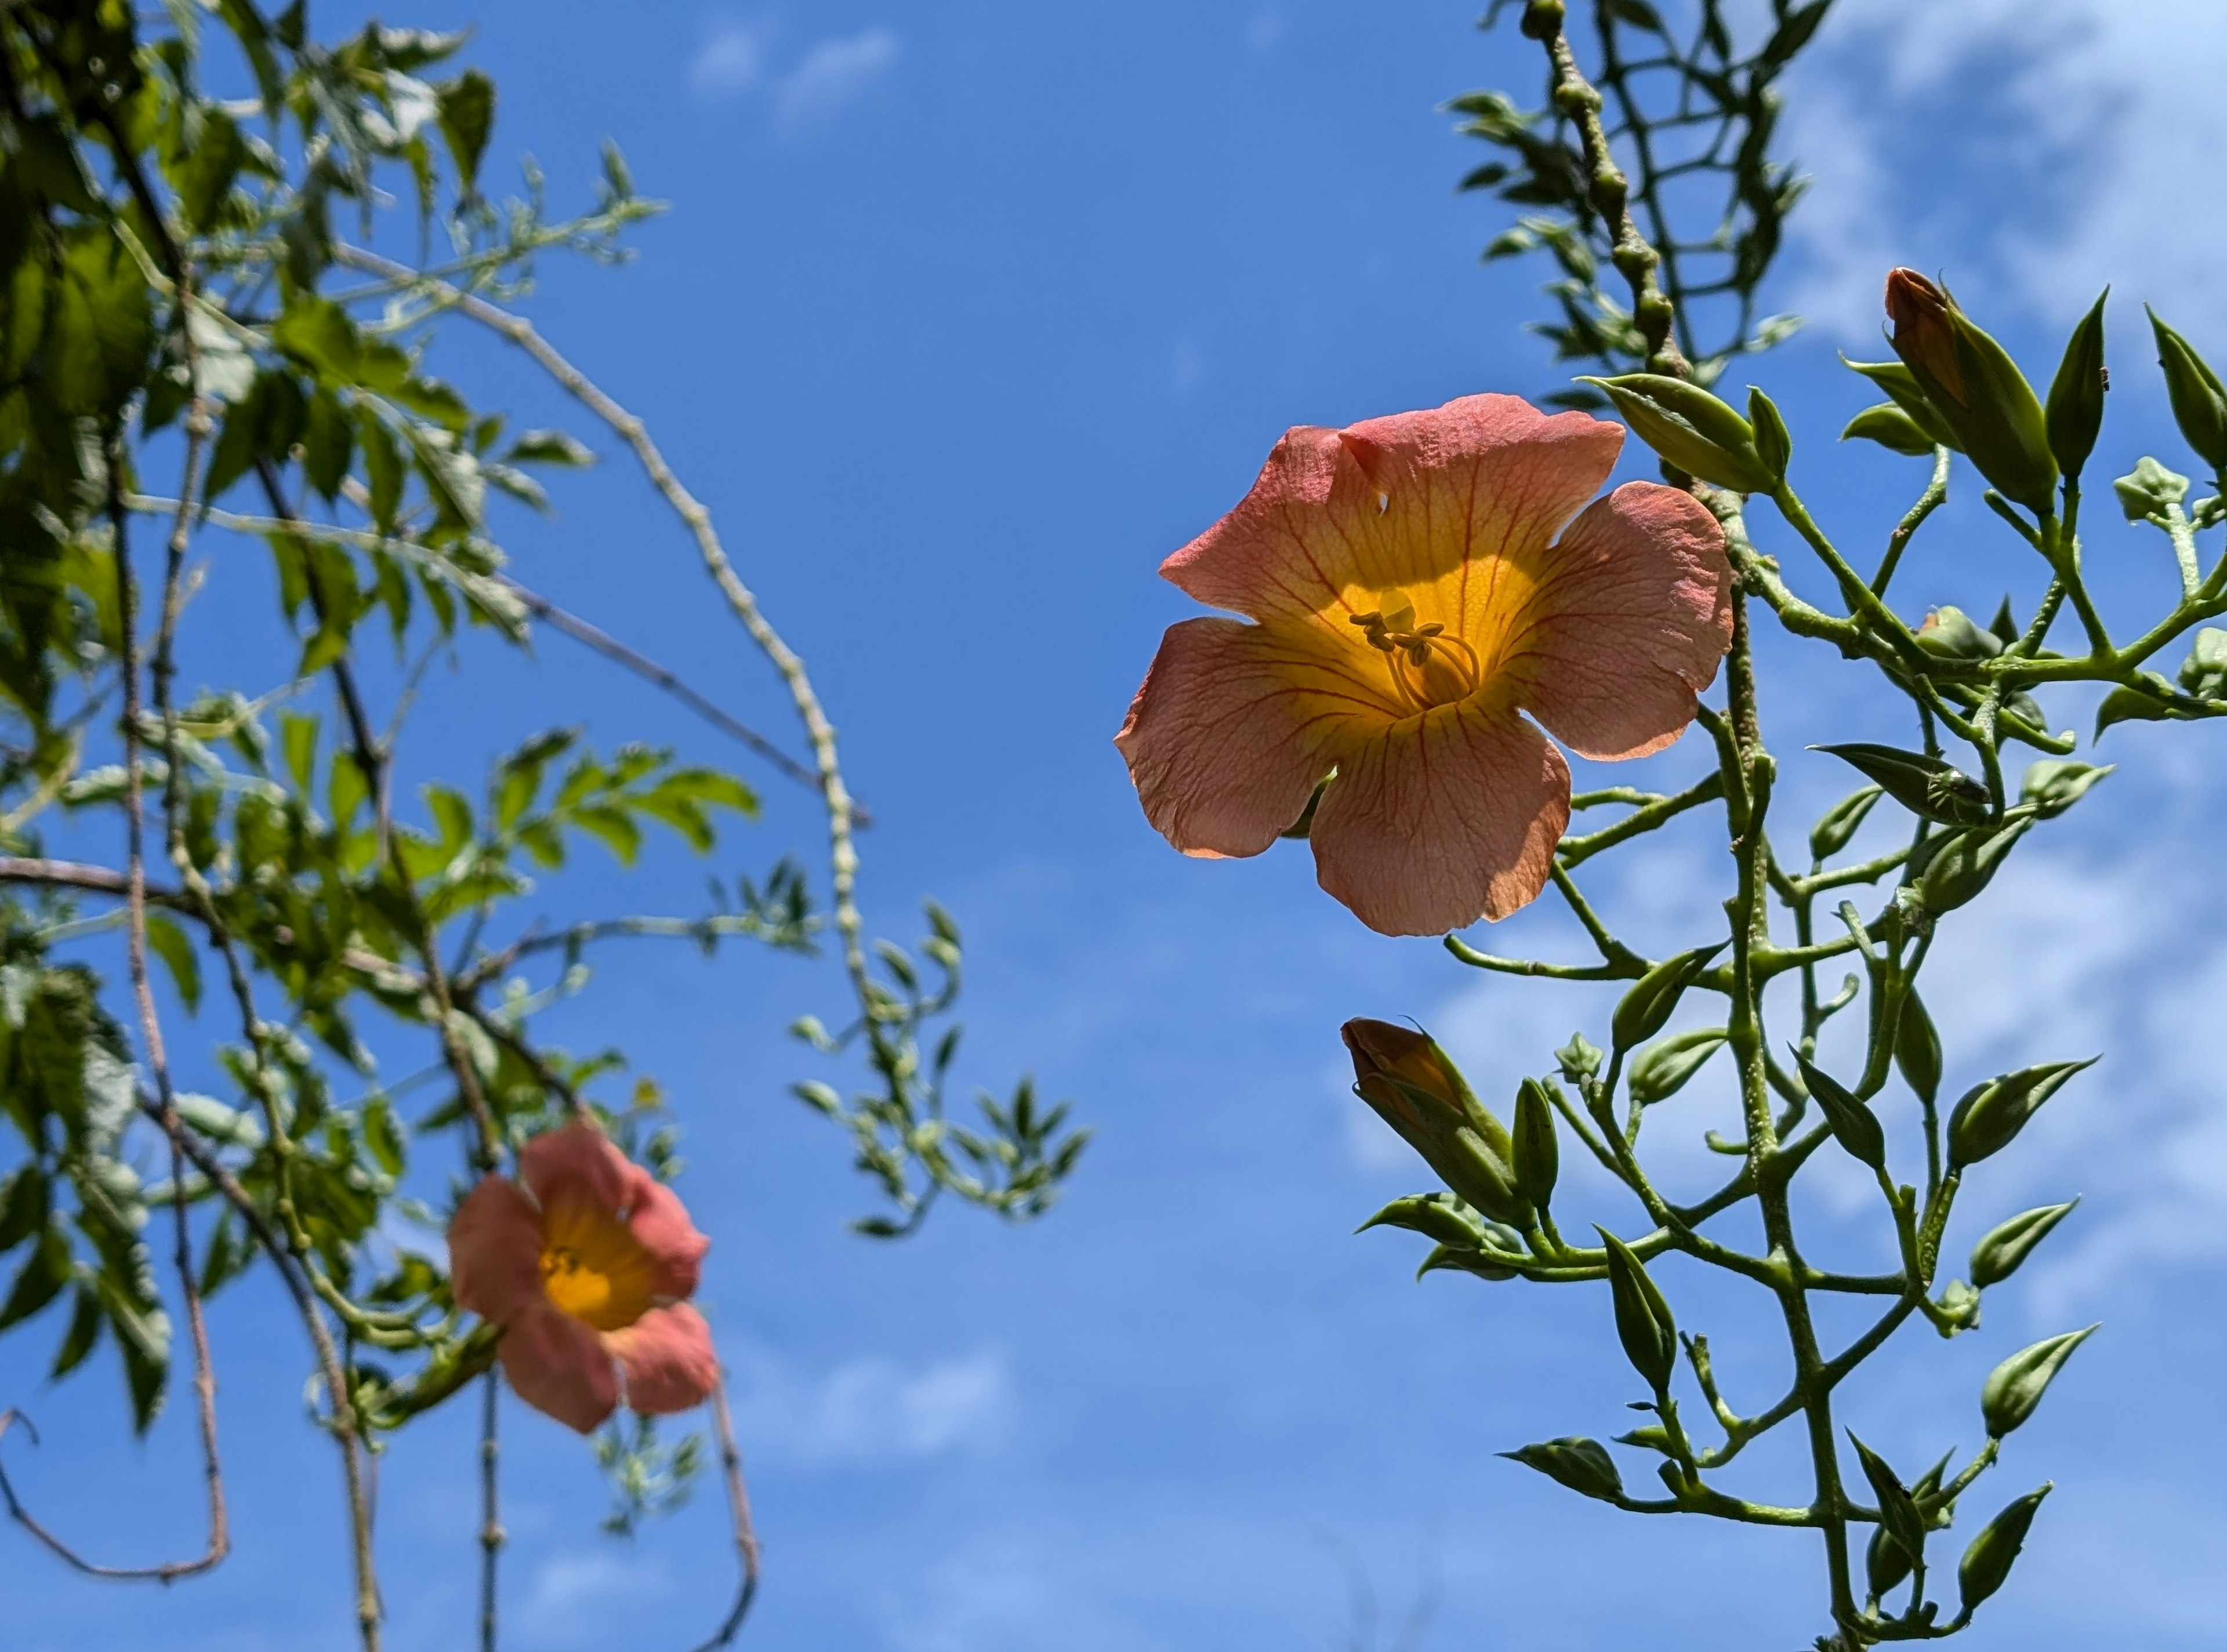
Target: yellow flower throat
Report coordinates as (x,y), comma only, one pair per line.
(1429,668)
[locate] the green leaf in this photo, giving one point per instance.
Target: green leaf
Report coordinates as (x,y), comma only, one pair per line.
(382,465)
(38,1281)
(1893,429)
(467,106)
(327,444)
(1926,786)
(204,172)
(383,1135)
(171,943)
(83,1333)
(549,447)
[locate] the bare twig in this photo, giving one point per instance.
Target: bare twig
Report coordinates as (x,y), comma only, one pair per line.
(491,1532)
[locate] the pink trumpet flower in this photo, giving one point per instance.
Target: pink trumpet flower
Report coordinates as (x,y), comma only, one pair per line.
(1407,603)
(585,1261)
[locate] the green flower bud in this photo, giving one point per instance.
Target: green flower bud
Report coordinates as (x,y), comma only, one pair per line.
(2205,668)
(1952,633)
(1986,1564)
(1456,1259)
(2055,784)
(1838,824)
(2150,702)
(1643,1323)
(1435,1216)
(1854,1125)
(1661,1070)
(1538,1152)
(1965,864)
(1923,785)
(1998,1252)
(1899,1512)
(1893,429)
(1642,1011)
(2014,1388)
(1582,1464)
(2200,401)
(1989,1115)
(1416,1089)
(1774,445)
(1901,385)
(1917,1048)
(1972,383)
(2149,489)
(2074,413)
(1691,428)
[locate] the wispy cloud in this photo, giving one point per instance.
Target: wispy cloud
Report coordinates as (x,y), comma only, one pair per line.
(567,1602)
(832,76)
(2037,148)
(876,1411)
(740,60)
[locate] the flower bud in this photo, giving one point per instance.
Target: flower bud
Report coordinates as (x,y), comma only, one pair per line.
(2205,671)
(1854,1125)
(1642,1011)
(1986,1564)
(1582,1464)
(1691,428)
(2149,489)
(1661,1070)
(1998,1252)
(1923,785)
(1990,1115)
(1774,444)
(1434,1215)
(1972,383)
(1899,1512)
(2074,413)
(2200,401)
(1951,633)
(1643,1323)
(1964,866)
(2014,1388)
(2055,784)
(1537,1150)
(1580,1059)
(1917,1048)
(1413,1087)
(1838,824)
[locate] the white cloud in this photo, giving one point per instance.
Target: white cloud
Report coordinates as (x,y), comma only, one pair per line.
(834,73)
(732,60)
(874,1411)
(2040,148)
(560,1605)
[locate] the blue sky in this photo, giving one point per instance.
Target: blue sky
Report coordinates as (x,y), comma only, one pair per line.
(968,313)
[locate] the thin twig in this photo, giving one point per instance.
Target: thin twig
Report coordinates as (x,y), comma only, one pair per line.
(491,1532)
(738,1510)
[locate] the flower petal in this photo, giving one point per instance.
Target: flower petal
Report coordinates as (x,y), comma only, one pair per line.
(1236,724)
(494,1251)
(1631,613)
(576,1161)
(669,1361)
(670,1243)
(558,1365)
(1398,502)
(1443,819)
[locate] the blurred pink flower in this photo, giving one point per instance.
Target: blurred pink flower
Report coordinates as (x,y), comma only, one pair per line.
(583,1261)
(1408,603)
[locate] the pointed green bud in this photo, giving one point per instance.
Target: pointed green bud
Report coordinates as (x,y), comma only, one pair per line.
(1435,1216)
(2055,784)
(1986,1564)
(1661,1070)
(1893,429)
(1455,1258)
(2149,491)
(2014,1388)
(1965,865)
(1774,445)
(1901,385)
(1917,1048)
(2149,702)
(1642,1012)
(2200,401)
(1690,429)
(1990,1115)
(1415,1087)
(1582,1464)
(1899,1512)
(2074,413)
(1538,1152)
(1838,824)
(1854,1125)
(1998,1252)
(1978,391)
(1643,1323)
(1923,785)
(2205,671)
